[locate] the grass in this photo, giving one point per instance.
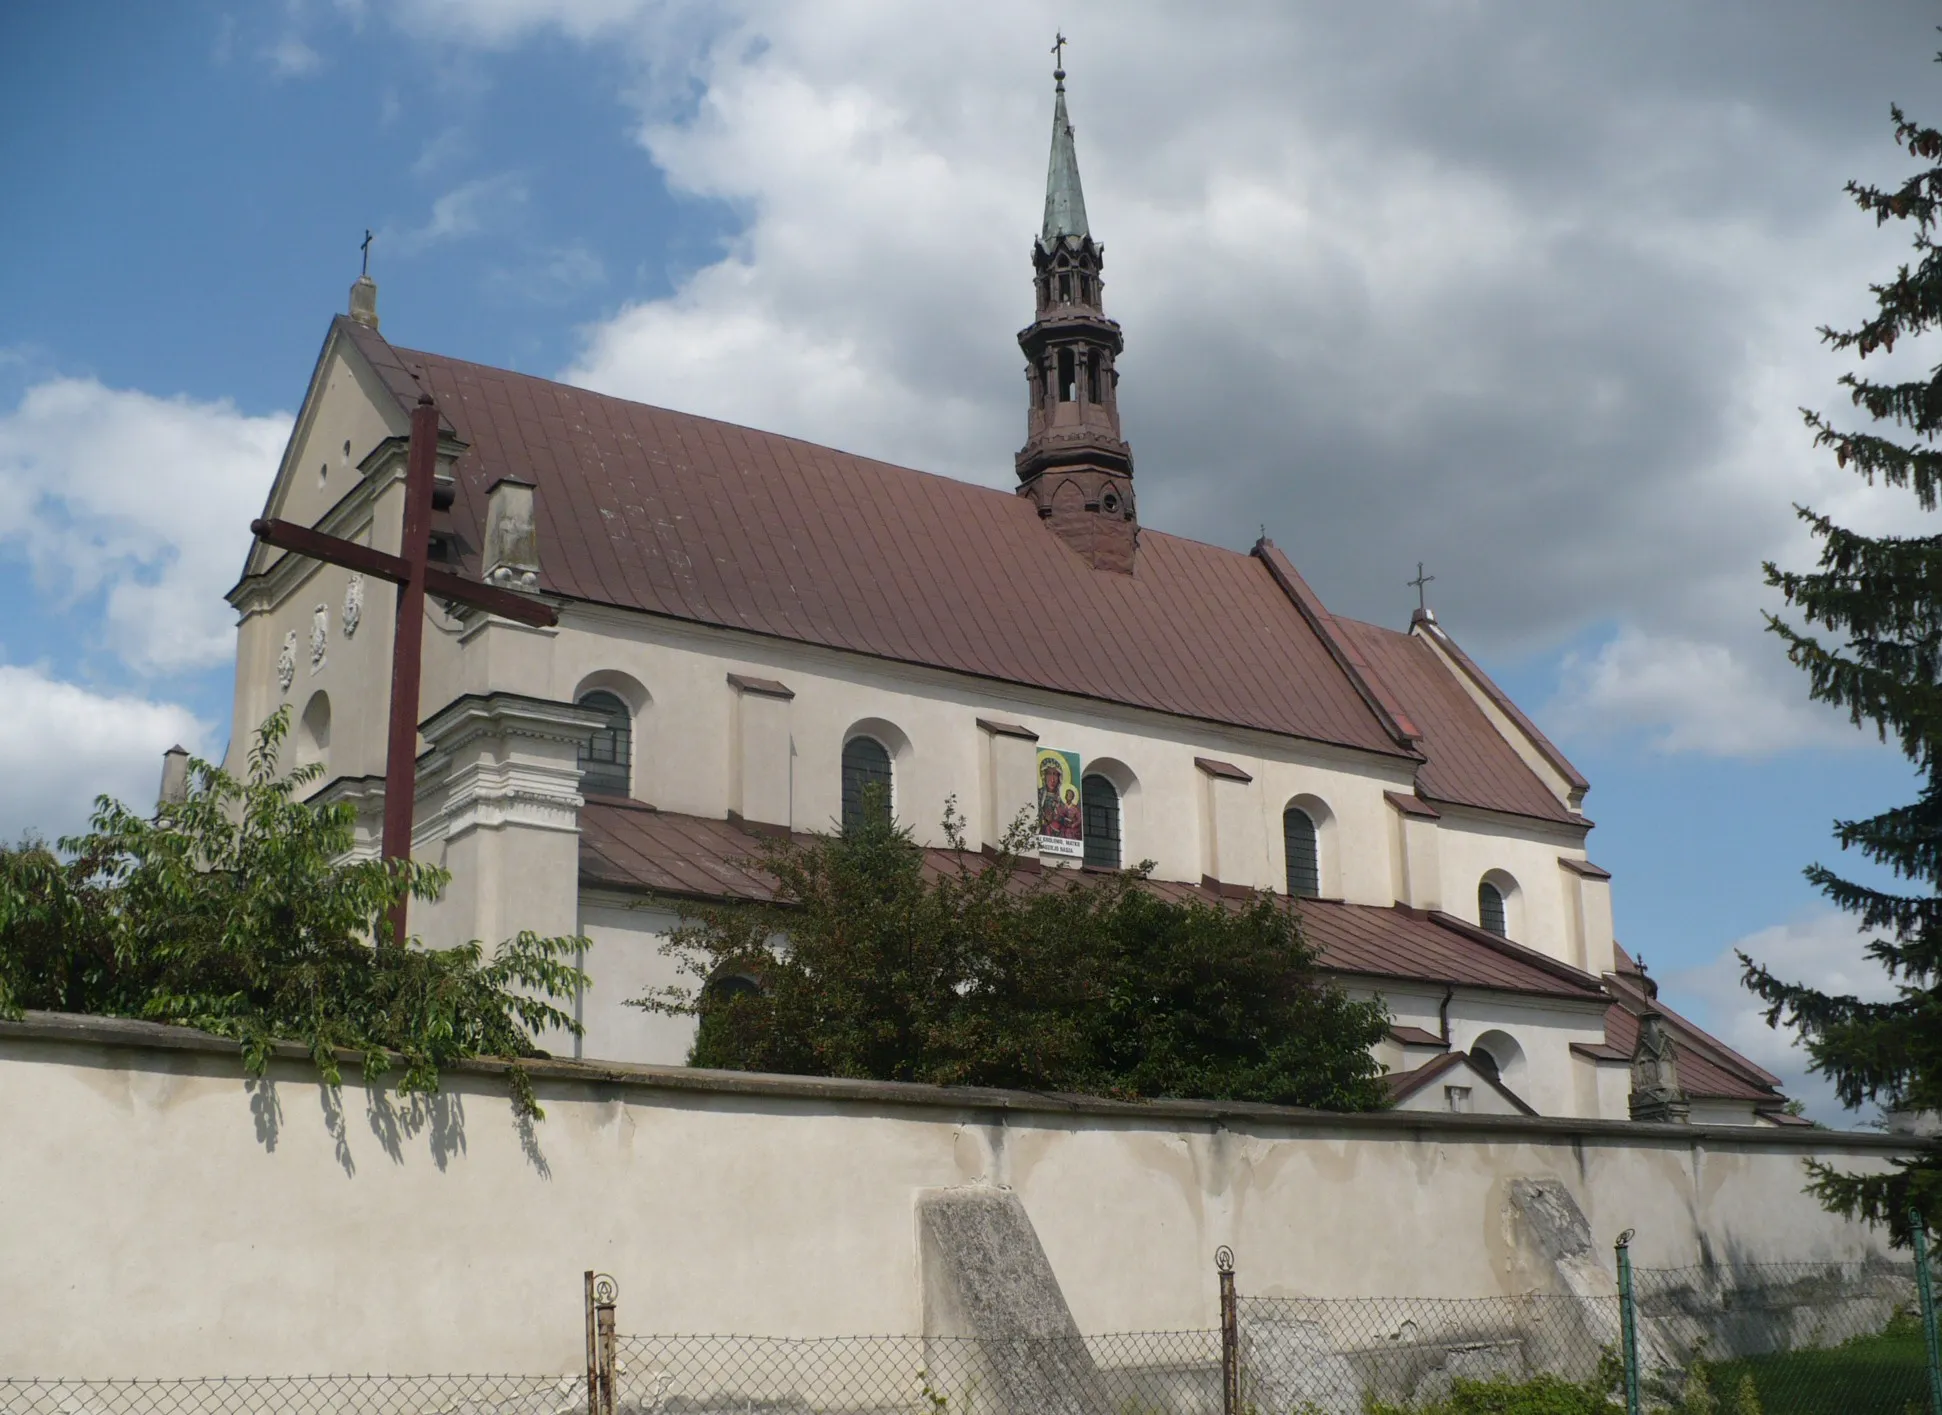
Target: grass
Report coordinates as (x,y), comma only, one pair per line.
(1871,1375)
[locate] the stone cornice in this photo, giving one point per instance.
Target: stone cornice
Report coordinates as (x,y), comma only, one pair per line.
(539,788)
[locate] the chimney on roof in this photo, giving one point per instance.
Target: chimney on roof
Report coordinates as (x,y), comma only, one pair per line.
(511,538)
(175,777)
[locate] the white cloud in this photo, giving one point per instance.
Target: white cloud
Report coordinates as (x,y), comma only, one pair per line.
(1690,695)
(1528,295)
(551,276)
(62,745)
(290,57)
(1822,950)
(463,211)
(145,501)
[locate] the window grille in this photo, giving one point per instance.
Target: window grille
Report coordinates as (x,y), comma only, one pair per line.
(1100,799)
(866,763)
(1490,909)
(606,759)
(1303,847)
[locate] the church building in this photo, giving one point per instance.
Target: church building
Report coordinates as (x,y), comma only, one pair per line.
(753,629)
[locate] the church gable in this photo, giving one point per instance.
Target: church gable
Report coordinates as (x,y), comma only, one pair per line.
(348,410)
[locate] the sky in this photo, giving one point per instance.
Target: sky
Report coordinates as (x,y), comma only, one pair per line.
(1527,293)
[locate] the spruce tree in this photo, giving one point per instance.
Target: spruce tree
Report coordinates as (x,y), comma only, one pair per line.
(1878,602)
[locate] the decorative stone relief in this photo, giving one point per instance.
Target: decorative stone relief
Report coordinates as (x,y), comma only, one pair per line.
(319,635)
(286,661)
(353,605)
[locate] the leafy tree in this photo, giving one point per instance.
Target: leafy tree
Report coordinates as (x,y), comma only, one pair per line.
(876,962)
(1879,599)
(235,911)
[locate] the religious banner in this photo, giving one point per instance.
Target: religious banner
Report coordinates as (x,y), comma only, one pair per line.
(1061,828)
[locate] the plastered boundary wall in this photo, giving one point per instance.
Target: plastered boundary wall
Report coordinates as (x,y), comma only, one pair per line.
(160,1215)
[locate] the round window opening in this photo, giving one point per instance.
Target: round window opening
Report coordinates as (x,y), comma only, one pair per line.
(1109,501)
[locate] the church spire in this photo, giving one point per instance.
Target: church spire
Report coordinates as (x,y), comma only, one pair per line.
(1074,463)
(1065,201)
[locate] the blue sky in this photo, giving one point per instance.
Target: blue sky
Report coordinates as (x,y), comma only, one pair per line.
(1532,300)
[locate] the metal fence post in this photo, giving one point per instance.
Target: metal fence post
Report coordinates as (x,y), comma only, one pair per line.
(1628,1324)
(1925,1285)
(601,1291)
(1230,1333)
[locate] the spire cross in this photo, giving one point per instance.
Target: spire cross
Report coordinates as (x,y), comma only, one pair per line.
(365,246)
(1058,49)
(1421,584)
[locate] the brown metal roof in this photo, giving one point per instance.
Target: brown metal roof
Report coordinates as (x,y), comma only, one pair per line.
(626,845)
(1470,763)
(1403,1084)
(682,515)
(1546,748)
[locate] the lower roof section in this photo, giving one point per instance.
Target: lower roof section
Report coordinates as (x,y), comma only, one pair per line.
(637,849)
(628,846)
(632,847)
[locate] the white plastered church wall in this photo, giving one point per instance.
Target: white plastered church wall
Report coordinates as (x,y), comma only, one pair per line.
(689,756)
(1553,1080)
(1474,845)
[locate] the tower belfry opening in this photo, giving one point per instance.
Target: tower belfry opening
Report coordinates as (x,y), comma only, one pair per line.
(1075,464)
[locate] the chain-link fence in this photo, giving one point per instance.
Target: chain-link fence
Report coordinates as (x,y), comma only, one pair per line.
(1110,1375)
(301,1395)
(1757,1340)
(1754,1339)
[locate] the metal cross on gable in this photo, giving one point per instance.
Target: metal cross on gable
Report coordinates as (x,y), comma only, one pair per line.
(365,246)
(1421,584)
(415,577)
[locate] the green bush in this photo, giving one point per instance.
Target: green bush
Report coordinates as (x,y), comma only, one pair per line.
(875,963)
(236,911)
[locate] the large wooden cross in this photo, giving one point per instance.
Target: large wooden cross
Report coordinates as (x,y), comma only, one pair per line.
(415,577)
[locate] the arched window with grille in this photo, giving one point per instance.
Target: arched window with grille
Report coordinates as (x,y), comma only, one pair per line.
(1101,816)
(866,763)
(1303,846)
(606,758)
(1490,909)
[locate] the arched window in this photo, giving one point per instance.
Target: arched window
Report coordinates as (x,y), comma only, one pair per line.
(1490,909)
(1068,377)
(866,763)
(1101,801)
(1302,844)
(1497,1055)
(730,986)
(606,759)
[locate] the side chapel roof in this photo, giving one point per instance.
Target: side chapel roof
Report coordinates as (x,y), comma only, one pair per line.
(630,846)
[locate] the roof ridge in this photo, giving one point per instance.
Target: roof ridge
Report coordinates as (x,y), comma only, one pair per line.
(1382,702)
(789,437)
(1719,1053)
(1546,748)
(1510,948)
